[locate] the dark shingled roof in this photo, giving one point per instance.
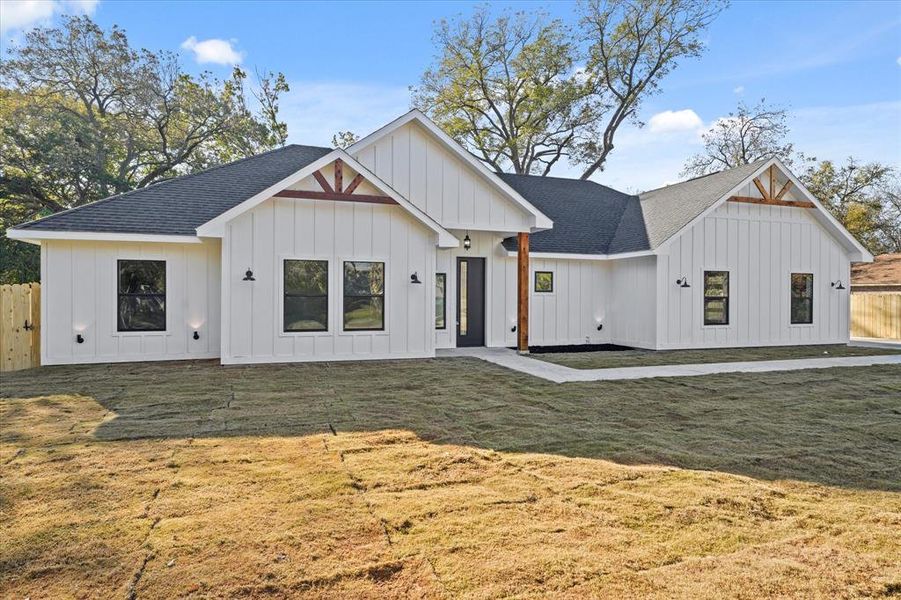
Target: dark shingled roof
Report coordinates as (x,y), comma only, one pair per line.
(589,218)
(178,206)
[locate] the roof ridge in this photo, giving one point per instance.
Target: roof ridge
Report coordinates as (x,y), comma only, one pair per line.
(662,187)
(27,224)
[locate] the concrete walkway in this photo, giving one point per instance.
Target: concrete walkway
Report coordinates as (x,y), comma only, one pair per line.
(560,374)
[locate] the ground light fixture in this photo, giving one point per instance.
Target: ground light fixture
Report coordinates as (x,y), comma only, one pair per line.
(414,278)
(838,285)
(467,243)
(683,282)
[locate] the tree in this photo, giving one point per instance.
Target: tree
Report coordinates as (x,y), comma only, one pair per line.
(506,90)
(85,116)
(514,91)
(747,135)
(344,139)
(863,197)
(634,44)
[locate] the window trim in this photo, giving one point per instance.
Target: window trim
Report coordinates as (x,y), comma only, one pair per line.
(165,296)
(705,298)
(443,277)
(328,295)
(535,274)
(340,316)
(791,299)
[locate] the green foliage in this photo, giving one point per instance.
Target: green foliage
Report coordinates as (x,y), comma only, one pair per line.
(83,116)
(864,198)
(344,139)
(521,91)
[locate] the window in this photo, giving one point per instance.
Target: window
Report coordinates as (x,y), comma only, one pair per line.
(142,295)
(544,281)
(364,296)
(440,302)
(716,297)
(305,295)
(802,298)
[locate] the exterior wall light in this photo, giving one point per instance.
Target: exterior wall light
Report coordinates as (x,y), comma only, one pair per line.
(513,329)
(248,276)
(414,278)
(683,282)
(467,243)
(79,338)
(838,285)
(196,335)
(600,326)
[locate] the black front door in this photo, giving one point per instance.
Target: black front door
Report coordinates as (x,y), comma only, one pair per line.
(470,302)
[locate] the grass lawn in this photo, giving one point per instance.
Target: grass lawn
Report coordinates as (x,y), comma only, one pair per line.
(648,358)
(446,478)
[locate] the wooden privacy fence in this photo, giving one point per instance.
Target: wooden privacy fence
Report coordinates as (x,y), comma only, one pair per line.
(876,315)
(20,326)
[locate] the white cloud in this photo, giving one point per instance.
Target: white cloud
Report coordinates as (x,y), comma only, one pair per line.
(671,121)
(738,91)
(899,61)
(220,52)
(316,110)
(23,14)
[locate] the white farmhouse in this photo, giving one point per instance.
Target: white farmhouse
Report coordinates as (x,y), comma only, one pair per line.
(405,243)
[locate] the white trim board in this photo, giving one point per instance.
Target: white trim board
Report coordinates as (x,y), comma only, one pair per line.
(35,236)
(541,221)
(216,227)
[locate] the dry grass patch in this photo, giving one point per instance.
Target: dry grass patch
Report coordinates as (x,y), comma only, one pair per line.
(192,480)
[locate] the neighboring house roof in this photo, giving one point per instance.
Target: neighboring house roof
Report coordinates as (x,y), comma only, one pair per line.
(589,218)
(178,206)
(885,270)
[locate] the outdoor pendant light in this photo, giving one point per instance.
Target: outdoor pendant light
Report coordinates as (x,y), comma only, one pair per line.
(467,243)
(248,276)
(414,278)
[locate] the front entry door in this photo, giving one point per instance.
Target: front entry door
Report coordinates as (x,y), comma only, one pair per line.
(470,302)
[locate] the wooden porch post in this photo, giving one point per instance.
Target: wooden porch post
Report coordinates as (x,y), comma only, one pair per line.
(522,292)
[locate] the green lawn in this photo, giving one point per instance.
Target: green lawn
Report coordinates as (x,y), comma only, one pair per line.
(647,358)
(446,478)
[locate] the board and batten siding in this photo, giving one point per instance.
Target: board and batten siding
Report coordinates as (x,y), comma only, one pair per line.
(632,288)
(282,228)
(439,183)
(567,316)
(760,246)
(80,296)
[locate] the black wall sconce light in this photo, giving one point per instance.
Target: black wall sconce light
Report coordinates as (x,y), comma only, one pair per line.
(79,338)
(838,285)
(414,278)
(683,282)
(467,243)
(196,335)
(513,329)
(248,276)
(600,326)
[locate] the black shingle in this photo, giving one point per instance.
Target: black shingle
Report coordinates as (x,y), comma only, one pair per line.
(178,206)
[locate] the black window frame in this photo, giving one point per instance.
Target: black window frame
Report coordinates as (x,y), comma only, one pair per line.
(443,278)
(345,296)
(724,298)
(120,295)
(535,282)
(792,298)
(286,294)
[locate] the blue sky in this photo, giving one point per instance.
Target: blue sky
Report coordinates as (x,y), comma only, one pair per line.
(835,65)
